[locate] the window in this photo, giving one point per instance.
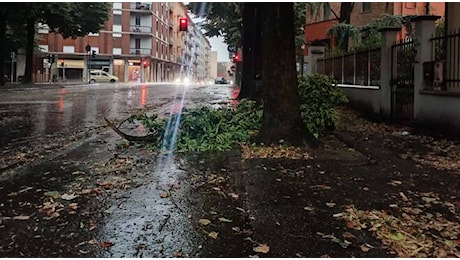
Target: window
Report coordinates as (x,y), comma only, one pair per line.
(117,5)
(93,34)
(117,19)
(116,51)
(43,48)
(138,20)
(116,28)
(365,7)
(43,28)
(68,49)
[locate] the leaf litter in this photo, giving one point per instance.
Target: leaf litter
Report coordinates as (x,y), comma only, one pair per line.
(415,233)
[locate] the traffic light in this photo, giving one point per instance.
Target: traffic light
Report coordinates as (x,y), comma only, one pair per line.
(236,58)
(93,54)
(50,58)
(145,63)
(62,63)
(183,24)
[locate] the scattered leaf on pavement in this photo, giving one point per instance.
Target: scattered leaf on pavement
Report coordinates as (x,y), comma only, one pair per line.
(165,194)
(225,220)
(213,234)
(51,193)
(106,244)
(73,206)
(264,248)
(68,196)
(204,221)
(21,217)
(330,204)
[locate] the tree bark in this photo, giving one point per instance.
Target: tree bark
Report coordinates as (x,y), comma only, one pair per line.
(29,50)
(256,91)
(281,113)
(248,46)
(345,12)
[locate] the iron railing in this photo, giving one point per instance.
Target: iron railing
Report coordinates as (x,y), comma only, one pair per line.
(355,68)
(141,29)
(140,51)
(139,6)
(445,48)
(402,80)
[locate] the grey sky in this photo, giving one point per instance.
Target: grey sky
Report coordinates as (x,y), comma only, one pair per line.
(217,44)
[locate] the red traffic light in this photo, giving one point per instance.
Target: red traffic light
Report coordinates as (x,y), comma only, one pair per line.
(236,58)
(145,63)
(183,24)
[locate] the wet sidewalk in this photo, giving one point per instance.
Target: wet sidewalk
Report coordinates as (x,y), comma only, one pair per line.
(370,190)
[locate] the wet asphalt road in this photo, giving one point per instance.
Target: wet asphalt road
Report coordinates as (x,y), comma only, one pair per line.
(38,111)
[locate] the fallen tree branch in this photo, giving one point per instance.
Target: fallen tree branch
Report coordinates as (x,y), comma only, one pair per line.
(132,138)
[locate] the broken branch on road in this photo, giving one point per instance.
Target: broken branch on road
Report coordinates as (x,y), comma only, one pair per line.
(132,138)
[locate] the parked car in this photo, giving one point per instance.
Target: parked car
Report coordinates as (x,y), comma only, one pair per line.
(100,76)
(221,81)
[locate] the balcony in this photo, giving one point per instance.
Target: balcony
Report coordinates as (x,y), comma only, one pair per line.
(141,7)
(171,41)
(140,51)
(137,29)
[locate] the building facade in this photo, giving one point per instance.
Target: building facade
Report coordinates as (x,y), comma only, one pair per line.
(140,42)
(320,19)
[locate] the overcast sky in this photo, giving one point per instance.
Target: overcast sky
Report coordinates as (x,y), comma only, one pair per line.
(217,43)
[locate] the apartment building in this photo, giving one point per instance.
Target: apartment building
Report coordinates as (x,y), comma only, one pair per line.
(140,42)
(320,19)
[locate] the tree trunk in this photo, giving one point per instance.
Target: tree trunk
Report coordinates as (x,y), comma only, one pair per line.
(256,91)
(29,50)
(281,113)
(248,47)
(345,12)
(2,46)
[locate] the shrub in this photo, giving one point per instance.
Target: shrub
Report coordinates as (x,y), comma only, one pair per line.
(205,128)
(320,95)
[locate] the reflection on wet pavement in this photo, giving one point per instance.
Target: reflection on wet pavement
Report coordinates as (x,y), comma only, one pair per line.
(149,222)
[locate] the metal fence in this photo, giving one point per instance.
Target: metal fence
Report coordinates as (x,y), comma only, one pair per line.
(445,51)
(356,68)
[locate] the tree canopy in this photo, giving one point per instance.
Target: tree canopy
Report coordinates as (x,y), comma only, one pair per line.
(70,19)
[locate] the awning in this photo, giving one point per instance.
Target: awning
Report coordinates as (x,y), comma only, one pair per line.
(71,64)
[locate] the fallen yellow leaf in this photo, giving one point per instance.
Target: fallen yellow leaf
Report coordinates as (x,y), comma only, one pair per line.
(204,221)
(213,234)
(364,248)
(21,217)
(264,248)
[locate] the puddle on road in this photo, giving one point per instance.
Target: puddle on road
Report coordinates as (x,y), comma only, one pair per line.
(151,221)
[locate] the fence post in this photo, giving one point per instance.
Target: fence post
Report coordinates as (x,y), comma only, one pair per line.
(388,38)
(424,29)
(315,52)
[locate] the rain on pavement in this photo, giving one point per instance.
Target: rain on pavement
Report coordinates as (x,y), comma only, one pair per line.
(136,218)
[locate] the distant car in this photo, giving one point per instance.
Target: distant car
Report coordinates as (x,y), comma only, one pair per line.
(100,76)
(221,81)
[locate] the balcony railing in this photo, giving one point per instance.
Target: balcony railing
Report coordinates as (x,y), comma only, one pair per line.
(141,29)
(140,51)
(139,6)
